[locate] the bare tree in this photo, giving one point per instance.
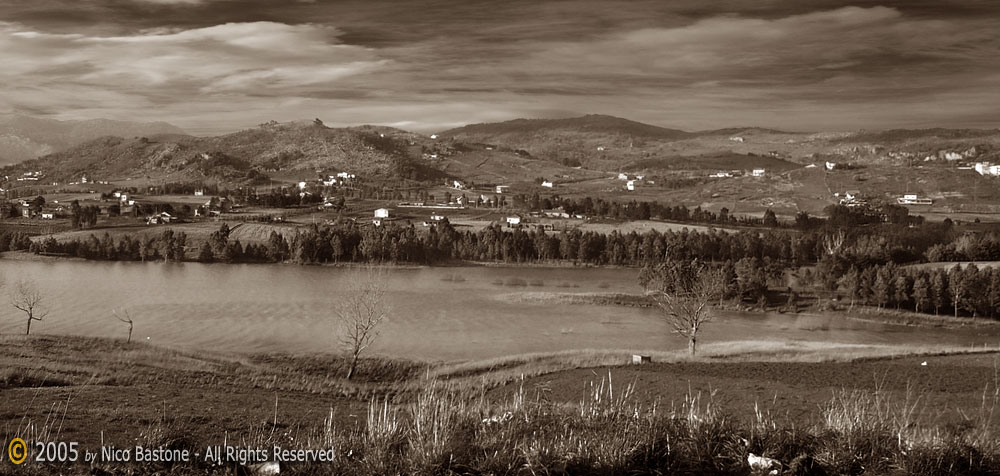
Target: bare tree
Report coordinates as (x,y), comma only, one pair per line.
(361,313)
(28,298)
(688,308)
(127,319)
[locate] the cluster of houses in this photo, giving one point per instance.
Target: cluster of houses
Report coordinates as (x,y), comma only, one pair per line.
(341,178)
(47,211)
(631,181)
(30,176)
(738,173)
(851,198)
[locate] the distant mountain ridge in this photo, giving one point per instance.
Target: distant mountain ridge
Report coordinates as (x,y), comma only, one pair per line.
(492,151)
(241,156)
(24,137)
(591,123)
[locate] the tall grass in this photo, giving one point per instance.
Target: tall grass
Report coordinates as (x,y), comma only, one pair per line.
(445,430)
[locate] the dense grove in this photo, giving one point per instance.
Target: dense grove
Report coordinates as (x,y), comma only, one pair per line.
(324,244)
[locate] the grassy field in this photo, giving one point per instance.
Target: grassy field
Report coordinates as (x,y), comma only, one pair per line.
(568,414)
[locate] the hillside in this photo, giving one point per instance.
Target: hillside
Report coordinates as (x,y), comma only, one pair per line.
(594,141)
(24,137)
(243,156)
(590,124)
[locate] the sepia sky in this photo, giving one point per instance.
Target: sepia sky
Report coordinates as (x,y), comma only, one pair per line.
(212,66)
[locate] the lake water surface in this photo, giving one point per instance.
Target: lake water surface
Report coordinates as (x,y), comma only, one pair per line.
(437,313)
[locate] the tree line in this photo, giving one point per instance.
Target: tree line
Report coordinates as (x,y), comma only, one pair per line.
(959,290)
(405,244)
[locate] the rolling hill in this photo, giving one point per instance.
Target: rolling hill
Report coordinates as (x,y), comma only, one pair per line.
(241,156)
(25,137)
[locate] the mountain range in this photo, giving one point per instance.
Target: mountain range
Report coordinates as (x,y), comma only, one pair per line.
(520,149)
(25,137)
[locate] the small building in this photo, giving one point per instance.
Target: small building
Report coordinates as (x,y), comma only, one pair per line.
(547,184)
(48,215)
(458,185)
(852,194)
(199,193)
(302,185)
(638,359)
(502,188)
(118,195)
(913,199)
(831,165)
(630,185)
(159,218)
(514,220)
(736,139)
(758,172)
(622,176)
(382,213)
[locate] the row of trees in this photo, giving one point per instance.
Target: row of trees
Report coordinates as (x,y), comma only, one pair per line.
(168,245)
(349,242)
(960,290)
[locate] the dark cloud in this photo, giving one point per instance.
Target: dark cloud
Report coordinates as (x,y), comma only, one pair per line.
(224,64)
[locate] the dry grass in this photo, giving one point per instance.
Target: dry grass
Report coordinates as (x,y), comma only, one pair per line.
(438,419)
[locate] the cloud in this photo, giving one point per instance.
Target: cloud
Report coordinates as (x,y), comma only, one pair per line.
(155,66)
(429,63)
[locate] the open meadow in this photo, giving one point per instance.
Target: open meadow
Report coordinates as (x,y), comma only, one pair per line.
(836,415)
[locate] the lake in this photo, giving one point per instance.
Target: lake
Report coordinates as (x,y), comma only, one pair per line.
(436,313)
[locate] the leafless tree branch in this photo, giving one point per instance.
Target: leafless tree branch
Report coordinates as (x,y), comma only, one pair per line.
(361,313)
(687,310)
(27,297)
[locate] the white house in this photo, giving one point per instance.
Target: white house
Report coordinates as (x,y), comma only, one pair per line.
(515,220)
(48,215)
(758,172)
(736,139)
(118,195)
(986,168)
(831,165)
(630,185)
(199,193)
(502,188)
(622,176)
(458,185)
(952,156)
(382,213)
(302,185)
(547,184)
